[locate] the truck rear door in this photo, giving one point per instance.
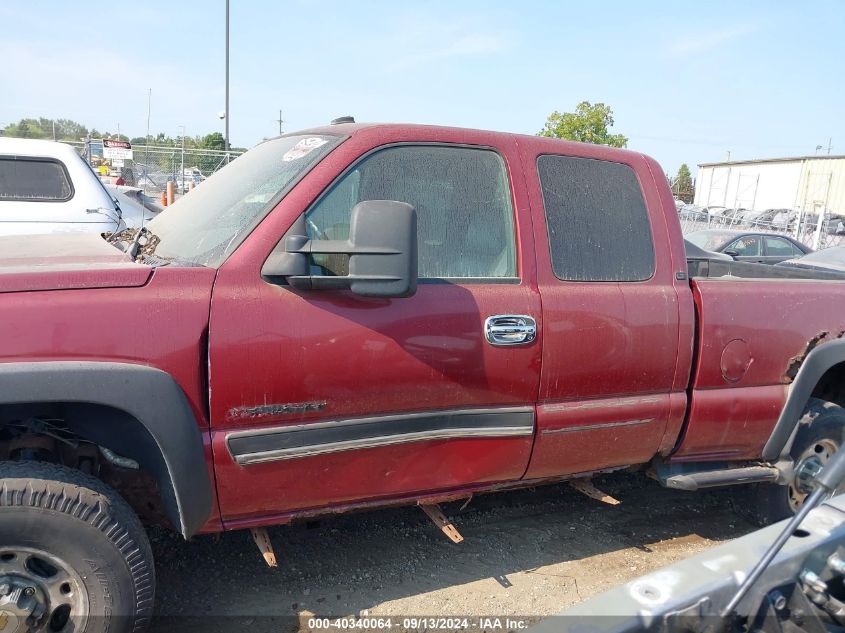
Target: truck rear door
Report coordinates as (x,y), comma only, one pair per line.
(325,398)
(617,309)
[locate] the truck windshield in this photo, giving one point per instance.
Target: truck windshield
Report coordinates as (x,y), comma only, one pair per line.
(204,226)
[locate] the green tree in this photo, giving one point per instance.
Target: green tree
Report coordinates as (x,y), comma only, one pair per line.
(588,124)
(69,130)
(60,129)
(214,140)
(25,128)
(682,183)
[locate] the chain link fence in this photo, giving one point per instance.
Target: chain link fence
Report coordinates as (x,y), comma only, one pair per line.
(153,166)
(815,231)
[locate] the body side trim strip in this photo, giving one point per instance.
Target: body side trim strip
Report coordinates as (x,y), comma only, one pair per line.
(305,440)
(593,427)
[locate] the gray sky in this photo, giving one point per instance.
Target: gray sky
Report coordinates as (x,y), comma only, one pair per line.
(687,81)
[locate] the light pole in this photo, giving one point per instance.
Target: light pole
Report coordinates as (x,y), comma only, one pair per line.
(226,135)
(182,162)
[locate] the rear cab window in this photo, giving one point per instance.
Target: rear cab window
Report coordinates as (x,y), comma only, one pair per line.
(597,220)
(34,179)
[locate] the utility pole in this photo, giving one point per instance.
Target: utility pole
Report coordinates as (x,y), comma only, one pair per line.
(280,121)
(226,136)
(829,146)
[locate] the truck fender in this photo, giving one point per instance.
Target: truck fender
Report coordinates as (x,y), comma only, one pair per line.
(816,363)
(135,410)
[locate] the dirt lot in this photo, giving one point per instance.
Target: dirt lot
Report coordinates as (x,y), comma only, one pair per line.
(526,553)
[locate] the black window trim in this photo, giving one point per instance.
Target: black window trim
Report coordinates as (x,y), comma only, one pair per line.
(41,159)
(549,237)
(442,280)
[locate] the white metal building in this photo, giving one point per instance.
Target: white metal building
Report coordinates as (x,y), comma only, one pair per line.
(809,184)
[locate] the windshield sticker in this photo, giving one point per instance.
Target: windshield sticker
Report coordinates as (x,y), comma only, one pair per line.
(303,148)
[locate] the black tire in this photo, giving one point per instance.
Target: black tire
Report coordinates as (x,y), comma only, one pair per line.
(88,527)
(822,425)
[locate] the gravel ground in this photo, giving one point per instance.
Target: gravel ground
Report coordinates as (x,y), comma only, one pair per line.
(527,553)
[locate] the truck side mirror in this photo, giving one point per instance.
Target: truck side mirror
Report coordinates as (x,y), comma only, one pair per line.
(382,250)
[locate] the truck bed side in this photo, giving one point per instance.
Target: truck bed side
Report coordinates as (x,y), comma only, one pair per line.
(751,334)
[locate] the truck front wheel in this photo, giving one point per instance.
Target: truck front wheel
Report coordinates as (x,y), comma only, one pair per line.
(73,555)
(821,431)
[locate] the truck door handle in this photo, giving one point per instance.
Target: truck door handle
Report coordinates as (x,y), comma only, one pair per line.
(510,329)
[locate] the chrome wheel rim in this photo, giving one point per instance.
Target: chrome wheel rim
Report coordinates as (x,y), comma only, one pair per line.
(39,592)
(810,462)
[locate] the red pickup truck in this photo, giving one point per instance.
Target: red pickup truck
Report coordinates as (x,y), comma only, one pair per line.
(364,315)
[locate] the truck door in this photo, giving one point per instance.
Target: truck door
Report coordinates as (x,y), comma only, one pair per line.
(325,398)
(611,378)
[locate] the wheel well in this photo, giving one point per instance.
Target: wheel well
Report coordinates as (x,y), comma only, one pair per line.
(71,432)
(831,386)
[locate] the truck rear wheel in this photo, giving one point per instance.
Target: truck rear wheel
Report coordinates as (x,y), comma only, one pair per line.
(73,555)
(820,434)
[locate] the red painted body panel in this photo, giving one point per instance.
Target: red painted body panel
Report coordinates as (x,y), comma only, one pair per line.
(297,486)
(65,262)
(161,324)
(612,352)
(586,435)
(748,331)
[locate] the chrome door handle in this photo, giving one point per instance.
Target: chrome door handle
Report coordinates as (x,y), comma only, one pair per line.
(510,329)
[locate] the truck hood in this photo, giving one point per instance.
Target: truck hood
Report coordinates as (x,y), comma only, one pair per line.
(65,261)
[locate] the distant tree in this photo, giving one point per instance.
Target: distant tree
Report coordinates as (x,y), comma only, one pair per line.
(682,183)
(214,140)
(588,124)
(25,128)
(60,129)
(69,130)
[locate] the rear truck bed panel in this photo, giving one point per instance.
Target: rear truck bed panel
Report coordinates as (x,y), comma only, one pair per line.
(751,332)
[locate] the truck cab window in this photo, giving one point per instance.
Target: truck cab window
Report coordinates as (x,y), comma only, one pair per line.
(463,203)
(597,220)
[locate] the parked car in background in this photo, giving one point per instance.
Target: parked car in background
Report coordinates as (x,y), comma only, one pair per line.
(832,259)
(46,187)
(772,218)
(715,213)
(762,248)
(191,176)
(693,213)
(696,252)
